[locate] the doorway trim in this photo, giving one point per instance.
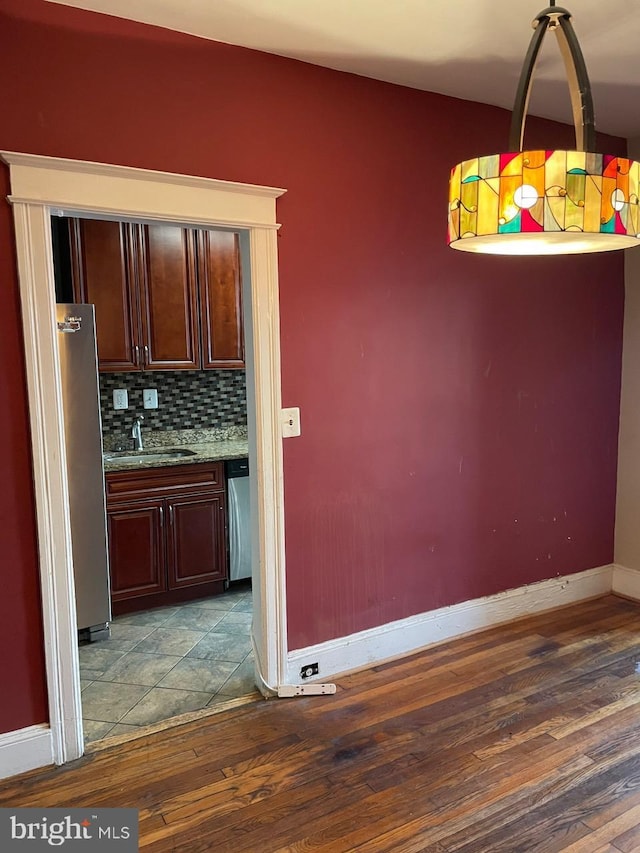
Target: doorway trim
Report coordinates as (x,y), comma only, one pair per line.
(40,187)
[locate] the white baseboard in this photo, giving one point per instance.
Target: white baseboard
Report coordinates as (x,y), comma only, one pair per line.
(25,749)
(406,636)
(626,582)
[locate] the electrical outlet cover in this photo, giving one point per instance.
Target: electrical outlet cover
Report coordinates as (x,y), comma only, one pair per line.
(120,398)
(290,420)
(150,398)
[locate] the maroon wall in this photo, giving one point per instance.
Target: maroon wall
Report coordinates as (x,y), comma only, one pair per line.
(459,414)
(22,679)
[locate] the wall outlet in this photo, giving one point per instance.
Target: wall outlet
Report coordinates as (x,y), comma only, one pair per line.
(150,398)
(120,398)
(309,670)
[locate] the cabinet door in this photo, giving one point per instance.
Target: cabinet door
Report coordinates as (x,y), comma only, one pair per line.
(136,549)
(168,298)
(196,541)
(103,275)
(220,288)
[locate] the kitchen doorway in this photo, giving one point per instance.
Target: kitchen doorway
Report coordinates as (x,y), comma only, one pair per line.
(43,186)
(180,621)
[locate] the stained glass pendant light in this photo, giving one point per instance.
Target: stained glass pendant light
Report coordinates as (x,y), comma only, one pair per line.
(547,202)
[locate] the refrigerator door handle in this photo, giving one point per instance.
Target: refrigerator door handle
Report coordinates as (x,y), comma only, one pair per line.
(70,324)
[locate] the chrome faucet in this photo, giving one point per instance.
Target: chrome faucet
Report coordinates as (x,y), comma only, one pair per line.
(136,432)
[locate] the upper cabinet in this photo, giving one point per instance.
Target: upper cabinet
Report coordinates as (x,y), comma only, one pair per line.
(166,297)
(220,299)
(165,256)
(103,274)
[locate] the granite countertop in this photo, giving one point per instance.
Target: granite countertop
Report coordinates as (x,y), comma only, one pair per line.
(203,446)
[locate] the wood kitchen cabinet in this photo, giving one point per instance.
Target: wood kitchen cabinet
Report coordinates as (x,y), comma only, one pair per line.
(167,535)
(195,537)
(220,294)
(164,257)
(103,274)
(166,297)
(136,549)
(142,281)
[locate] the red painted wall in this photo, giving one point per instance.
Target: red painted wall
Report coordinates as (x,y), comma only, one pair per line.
(459,414)
(22,678)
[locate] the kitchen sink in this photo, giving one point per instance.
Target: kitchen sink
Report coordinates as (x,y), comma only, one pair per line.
(155,455)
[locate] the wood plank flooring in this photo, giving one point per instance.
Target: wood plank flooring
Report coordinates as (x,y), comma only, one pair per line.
(518,739)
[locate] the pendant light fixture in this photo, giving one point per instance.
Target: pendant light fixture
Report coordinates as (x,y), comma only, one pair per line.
(547,202)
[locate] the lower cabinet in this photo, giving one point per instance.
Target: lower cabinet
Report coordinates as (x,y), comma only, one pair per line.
(166,530)
(195,538)
(137,560)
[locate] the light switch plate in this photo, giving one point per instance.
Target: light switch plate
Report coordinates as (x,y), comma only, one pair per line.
(150,398)
(120,398)
(290,419)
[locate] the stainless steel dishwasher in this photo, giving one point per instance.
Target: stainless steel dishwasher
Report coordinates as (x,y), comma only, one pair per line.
(237,476)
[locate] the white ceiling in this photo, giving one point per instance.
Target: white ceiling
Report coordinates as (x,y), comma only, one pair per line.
(471,49)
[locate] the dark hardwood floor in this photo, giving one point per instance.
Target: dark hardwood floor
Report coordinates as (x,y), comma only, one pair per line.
(521,738)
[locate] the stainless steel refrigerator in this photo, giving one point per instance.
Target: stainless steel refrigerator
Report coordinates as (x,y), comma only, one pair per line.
(83,440)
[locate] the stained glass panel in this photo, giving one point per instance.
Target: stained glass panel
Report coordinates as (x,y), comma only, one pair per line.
(544,191)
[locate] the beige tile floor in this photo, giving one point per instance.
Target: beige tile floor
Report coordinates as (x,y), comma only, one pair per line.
(161,663)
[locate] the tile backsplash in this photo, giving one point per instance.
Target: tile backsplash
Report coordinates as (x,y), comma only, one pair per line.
(187,399)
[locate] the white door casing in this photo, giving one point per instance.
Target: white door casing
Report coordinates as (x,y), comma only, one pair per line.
(41,186)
